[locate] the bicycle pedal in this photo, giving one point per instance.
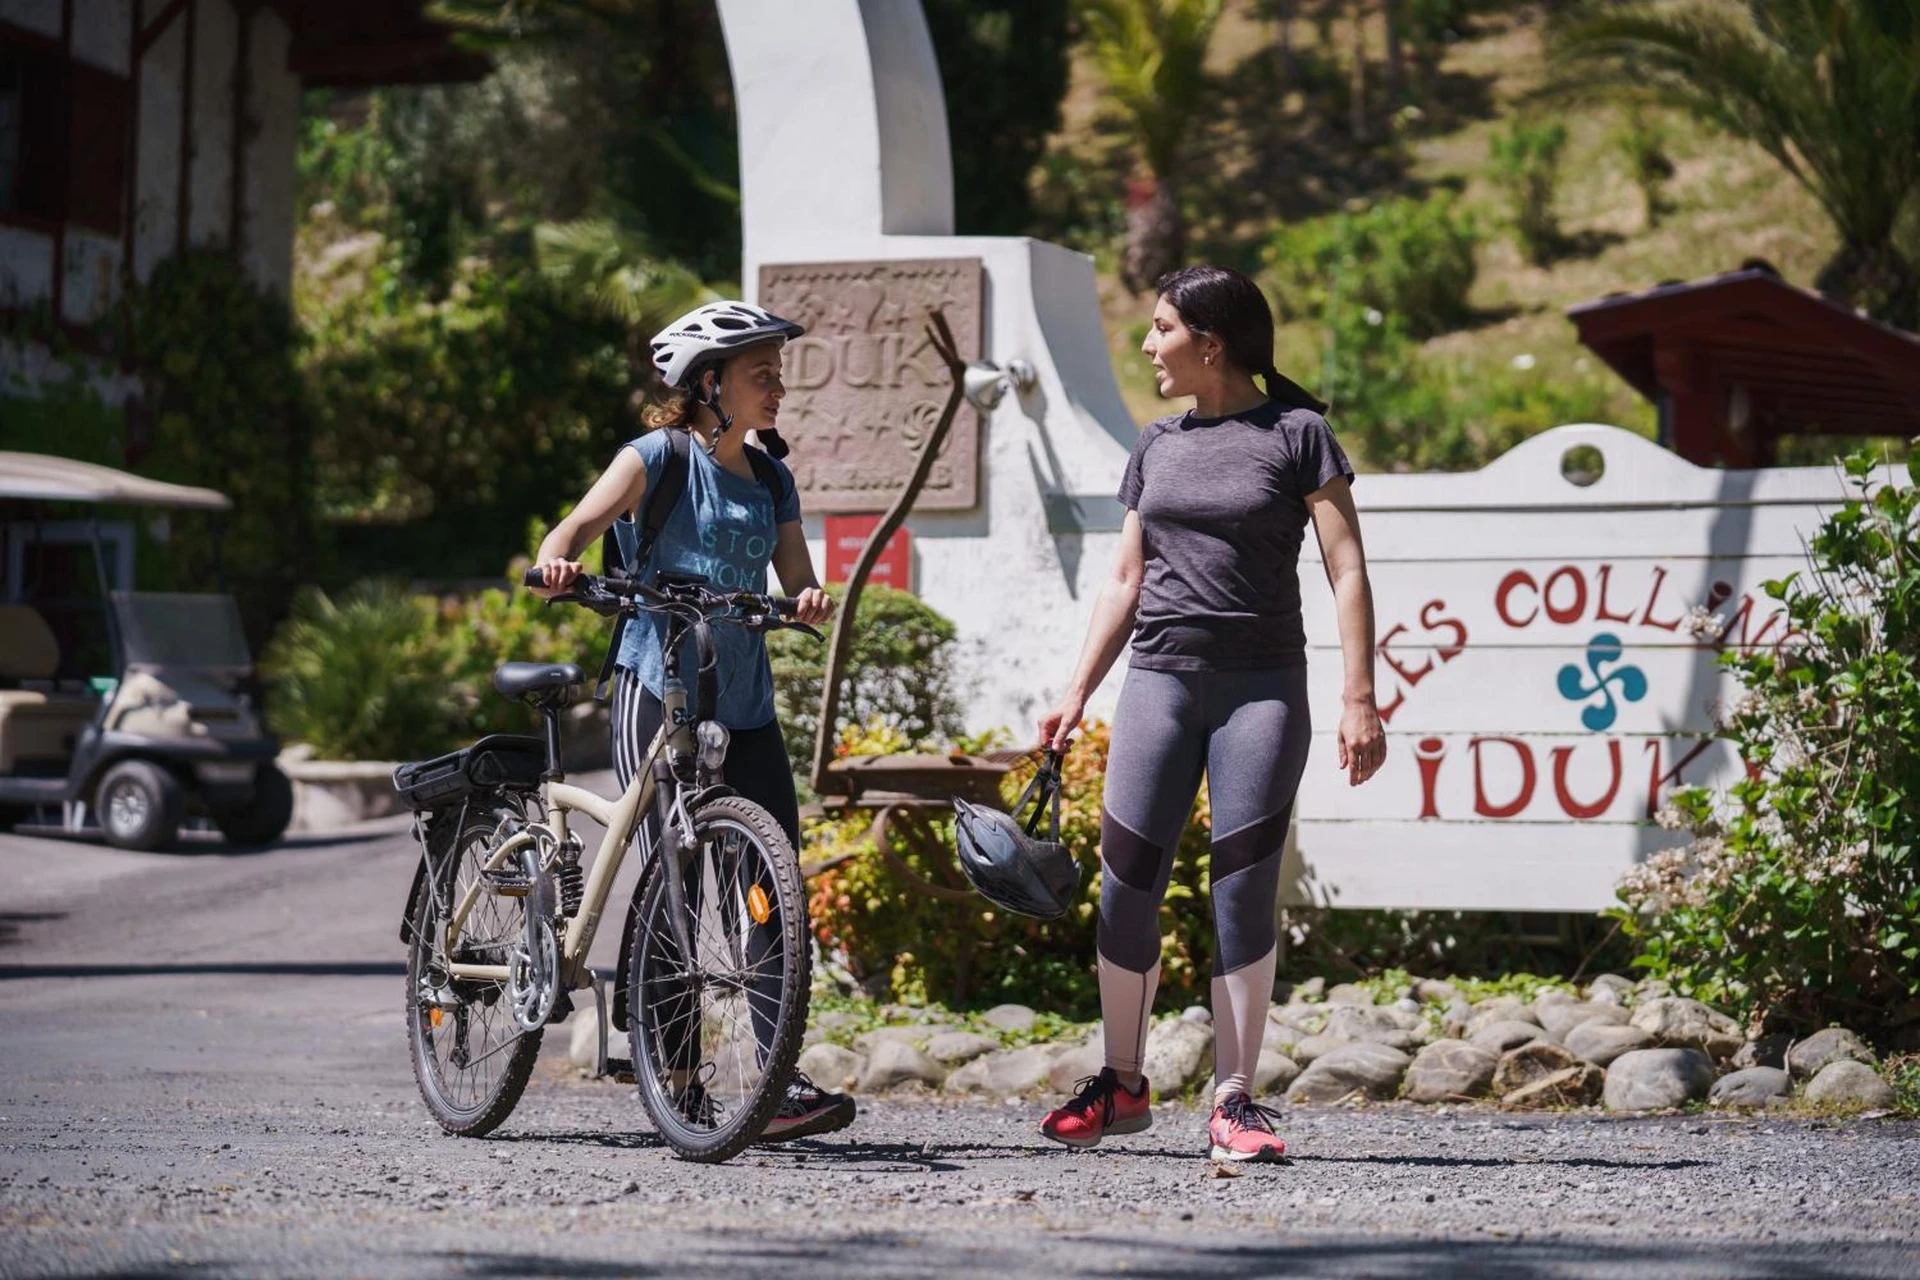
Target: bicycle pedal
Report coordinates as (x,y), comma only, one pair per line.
(620,1070)
(507,885)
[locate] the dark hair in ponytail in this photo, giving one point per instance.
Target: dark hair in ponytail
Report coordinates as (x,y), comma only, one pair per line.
(1225,304)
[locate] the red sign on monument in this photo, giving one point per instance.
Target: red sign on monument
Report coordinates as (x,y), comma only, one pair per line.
(846,535)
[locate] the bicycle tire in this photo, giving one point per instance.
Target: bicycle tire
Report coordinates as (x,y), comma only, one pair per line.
(491,1104)
(651,1022)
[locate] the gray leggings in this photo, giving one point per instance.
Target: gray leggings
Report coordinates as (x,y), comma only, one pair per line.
(1249,731)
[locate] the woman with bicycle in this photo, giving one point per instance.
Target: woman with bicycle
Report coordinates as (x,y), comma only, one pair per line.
(734,511)
(1206,582)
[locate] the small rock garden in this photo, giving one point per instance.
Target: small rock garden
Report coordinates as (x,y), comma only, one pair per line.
(1615,1044)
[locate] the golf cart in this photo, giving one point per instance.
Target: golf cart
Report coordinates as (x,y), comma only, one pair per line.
(126,712)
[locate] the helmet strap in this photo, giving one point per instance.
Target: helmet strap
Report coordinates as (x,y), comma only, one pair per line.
(712,401)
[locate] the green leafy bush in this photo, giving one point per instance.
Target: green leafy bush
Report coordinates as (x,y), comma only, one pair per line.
(1526,166)
(1798,899)
(1411,260)
(900,674)
(361,677)
(902,942)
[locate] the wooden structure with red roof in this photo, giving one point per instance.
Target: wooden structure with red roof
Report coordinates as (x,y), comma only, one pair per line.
(1734,362)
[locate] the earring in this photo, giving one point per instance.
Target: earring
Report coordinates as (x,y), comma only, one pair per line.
(1206,359)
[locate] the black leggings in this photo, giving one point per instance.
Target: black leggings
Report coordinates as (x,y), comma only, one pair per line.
(758,769)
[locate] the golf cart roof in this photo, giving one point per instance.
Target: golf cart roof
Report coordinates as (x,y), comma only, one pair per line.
(49,479)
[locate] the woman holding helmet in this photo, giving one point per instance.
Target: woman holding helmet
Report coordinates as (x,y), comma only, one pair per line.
(1206,582)
(736,512)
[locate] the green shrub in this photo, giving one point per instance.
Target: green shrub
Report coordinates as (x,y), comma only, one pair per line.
(1798,899)
(904,943)
(900,674)
(1408,259)
(1526,167)
(361,677)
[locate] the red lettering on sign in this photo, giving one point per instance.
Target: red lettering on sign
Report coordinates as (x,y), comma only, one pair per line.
(1568,805)
(1600,612)
(1743,619)
(1428,753)
(1481,804)
(1411,677)
(1653,597)
(1571,612)
(1448,652)
(1657,781)
(1513,581)
(847,536)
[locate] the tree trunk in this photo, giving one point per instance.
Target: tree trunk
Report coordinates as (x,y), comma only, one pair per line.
(1396,67)
(1357,80)
(1283,39)
(1877,279)
(1156,236)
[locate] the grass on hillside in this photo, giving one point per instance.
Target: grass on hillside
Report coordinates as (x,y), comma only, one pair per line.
(1271,151)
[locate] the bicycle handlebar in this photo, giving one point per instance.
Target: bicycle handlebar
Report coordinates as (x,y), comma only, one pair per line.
(762,612)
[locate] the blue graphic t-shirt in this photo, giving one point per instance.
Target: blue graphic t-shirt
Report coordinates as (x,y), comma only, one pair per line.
(722,529)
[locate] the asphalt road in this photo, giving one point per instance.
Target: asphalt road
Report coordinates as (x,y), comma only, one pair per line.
(203,1072)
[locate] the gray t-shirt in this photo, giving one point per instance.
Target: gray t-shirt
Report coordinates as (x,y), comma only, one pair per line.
(1223,505)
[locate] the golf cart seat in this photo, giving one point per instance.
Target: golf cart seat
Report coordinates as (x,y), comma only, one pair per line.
(39,721)
(518,679)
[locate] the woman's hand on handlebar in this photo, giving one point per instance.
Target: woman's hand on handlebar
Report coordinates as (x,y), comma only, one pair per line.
(812,605)
(555,577)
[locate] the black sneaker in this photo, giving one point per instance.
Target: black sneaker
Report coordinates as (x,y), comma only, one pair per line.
(808,1110)
(693,1103)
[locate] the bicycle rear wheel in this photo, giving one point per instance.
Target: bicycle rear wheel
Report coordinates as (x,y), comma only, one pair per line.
(470,1057)
(715,1034)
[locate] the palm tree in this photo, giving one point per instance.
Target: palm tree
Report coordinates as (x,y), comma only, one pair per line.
(1152,54)
(616,273)
(1829,88)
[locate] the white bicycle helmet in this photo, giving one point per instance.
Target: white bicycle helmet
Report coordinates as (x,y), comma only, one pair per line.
(711,332)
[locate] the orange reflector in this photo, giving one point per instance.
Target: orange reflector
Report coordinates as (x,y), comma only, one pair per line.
(757,904)
(433,1017)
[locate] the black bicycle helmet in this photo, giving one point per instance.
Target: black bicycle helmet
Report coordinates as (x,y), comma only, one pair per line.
(1008,863)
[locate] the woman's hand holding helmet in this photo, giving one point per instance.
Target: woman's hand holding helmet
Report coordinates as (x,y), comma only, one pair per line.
(1058,725)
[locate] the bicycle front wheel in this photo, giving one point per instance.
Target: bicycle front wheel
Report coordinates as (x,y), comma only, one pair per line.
(716,1025)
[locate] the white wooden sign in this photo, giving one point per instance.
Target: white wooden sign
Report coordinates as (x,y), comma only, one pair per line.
(1542,687)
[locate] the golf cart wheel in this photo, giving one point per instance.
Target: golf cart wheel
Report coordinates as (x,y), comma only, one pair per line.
(264,818)
(138,805)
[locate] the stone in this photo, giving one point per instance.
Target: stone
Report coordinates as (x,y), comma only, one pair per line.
(1075,1065)
(1653,1079)
(1601,1042)
(1766,1051)
(1553,996)
(1273,1073)
(1450,1071)
(955,1048)
(1851,1085)
(1350,993)
(1370,1070)
(1311,990)
(868,1041)
(1562,1017)
(1809,1057)
(1435,991)
(1499,1009)
(1579,1085)
(1529,1064)
(1380,1024)
(1178,1053)
(1502,1035)
(1009,1017)
(832,1066)
(1280,1037)
(1613,982)
(1751,1087)
(1652,989)
(1679,1023)
(1198,1013)
(894,1063)
(1311,1047)
(1455,1022)
(1004,1074)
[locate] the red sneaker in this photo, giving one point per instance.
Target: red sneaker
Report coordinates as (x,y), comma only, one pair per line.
(1101,1105)
(1242,1129)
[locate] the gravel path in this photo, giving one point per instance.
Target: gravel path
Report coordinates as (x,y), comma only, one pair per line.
(246,1109)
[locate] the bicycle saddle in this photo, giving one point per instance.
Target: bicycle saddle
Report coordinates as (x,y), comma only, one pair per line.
(516,679)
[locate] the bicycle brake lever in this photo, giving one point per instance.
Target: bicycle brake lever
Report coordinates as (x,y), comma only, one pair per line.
(803,628)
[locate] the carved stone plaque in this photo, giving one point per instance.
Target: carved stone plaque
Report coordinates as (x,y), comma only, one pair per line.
(865,387)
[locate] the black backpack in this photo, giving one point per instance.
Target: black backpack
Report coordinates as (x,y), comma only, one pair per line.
(627,543)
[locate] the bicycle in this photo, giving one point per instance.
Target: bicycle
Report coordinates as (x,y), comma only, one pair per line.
(502,914)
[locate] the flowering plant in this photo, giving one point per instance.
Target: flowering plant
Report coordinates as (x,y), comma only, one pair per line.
(1798,897)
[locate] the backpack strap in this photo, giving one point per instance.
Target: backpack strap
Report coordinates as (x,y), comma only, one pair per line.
(627,543)
(768,473)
